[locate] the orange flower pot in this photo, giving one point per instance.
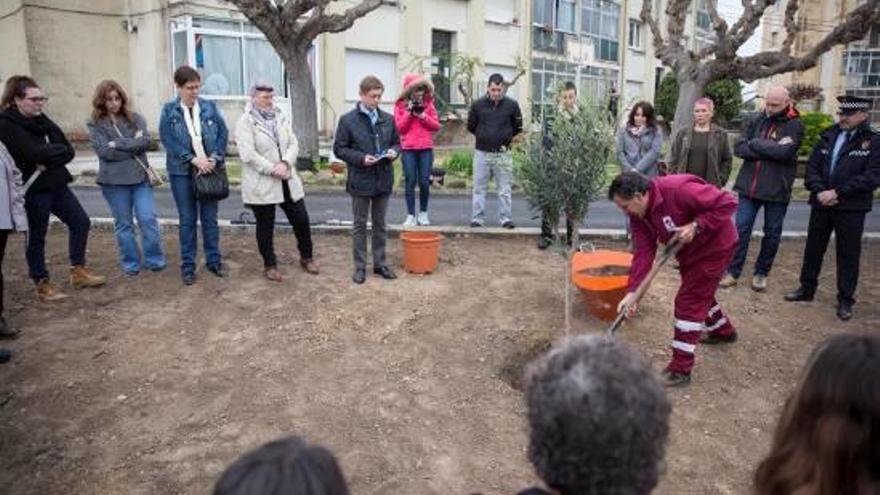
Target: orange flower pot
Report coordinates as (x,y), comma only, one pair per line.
(421,251)
(601,276)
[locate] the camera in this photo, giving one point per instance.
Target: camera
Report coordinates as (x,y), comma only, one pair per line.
(416,106)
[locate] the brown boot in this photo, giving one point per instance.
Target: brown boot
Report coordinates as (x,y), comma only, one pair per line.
(80,277)
(47,291)
(309,266)
(273,274)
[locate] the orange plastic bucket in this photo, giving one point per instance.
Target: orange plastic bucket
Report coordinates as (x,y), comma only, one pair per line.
(601,276)
(421,251)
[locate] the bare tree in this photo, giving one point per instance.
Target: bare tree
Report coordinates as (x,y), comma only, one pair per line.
(695,70)
(291,26)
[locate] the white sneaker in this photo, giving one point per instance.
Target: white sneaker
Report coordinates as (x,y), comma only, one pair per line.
(423,218)
(410,221)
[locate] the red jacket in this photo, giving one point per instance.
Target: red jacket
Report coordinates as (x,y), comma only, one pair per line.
(416,133)
(675,201)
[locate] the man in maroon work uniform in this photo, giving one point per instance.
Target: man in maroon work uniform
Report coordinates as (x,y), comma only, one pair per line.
(697,215)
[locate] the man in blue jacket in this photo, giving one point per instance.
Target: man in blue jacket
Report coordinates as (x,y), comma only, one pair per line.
(769,151)
(843,171)
(367,141)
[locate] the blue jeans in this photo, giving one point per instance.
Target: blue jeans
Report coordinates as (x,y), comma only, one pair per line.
(122,200)
(190,210)
(774,214)
(417,169)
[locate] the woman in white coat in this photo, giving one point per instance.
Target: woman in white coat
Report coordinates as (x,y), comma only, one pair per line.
(268,150)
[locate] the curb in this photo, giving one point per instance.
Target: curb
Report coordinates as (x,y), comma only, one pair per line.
(105,224)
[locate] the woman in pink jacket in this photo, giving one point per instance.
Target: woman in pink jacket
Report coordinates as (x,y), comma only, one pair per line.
(416,119)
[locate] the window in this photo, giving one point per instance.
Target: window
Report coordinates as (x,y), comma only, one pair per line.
(600,19)
(556,14)
(861,67)
(500,10)
(635,34)
(546,75)
(361,63)
(704,19)
(230,56)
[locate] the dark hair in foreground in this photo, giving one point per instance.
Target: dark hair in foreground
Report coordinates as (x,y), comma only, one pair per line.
(16,87)
(569,86)
(288,466)
(598,418)
(628,184)
(647,111)
(828,437)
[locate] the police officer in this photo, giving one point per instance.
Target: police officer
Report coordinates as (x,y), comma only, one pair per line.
(843,171)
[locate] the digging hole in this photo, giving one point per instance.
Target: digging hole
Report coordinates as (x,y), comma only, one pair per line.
(513,368)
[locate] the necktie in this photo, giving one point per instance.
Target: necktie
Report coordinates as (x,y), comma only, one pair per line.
(842,138)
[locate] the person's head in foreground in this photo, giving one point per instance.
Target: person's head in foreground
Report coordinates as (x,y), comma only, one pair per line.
(598,418)
(288,466)
(828,437)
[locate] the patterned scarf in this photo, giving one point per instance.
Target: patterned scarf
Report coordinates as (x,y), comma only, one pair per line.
(266,121)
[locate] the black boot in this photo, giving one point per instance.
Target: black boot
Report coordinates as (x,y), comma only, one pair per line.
(799,294)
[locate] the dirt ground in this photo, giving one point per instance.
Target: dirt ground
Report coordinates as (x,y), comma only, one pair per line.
(148,387)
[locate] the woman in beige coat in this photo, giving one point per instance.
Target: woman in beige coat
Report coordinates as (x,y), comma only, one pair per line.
(268,150)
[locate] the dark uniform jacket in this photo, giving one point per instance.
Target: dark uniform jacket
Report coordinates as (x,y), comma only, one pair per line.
(856,174)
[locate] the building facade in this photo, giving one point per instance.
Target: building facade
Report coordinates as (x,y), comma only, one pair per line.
(853,69)
(71,45)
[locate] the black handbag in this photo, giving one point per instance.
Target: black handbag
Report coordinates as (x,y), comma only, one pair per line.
(213,186)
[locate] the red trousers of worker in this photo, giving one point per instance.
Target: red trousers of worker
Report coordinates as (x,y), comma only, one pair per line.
(696,309)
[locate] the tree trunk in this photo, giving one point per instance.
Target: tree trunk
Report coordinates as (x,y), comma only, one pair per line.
(689,91)
(304,111)
(575,240)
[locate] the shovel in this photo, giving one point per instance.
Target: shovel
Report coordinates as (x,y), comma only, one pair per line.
(668,252)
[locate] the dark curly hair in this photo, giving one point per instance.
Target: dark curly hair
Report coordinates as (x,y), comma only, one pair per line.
(288,466)
(598,418)
(647,112)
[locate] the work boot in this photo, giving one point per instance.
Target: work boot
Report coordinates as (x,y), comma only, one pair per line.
(80,278)
(309,266)
(47,291)
(674,378)
(727,281)
(273,274)
(712,338)
(759,283)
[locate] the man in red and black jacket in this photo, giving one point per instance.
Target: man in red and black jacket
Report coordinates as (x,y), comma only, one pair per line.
(688,210)
(769,151)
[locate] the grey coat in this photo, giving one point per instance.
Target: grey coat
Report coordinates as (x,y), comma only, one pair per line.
(640,153)
(116,155)
(12,214)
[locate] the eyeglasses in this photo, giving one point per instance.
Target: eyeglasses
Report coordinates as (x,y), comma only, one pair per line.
(38,99)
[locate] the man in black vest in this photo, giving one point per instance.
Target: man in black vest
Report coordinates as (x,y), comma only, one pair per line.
(843,171)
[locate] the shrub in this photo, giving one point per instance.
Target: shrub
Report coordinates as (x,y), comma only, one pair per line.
(460,162)
(814,124)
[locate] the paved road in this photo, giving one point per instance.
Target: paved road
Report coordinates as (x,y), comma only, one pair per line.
(333,207)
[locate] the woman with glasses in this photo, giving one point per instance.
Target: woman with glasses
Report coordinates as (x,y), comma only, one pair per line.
(120,139)
(42,153)
(194,135)
(268,149)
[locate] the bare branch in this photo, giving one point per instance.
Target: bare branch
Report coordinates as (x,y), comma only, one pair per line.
(720,27)
(335,23)
(744,28)
(791,26)
(765,64)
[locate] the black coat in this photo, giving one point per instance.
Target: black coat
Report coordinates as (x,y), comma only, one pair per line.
(768,168)
(357,137)
(856,175)
(37,141)
(494,124)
